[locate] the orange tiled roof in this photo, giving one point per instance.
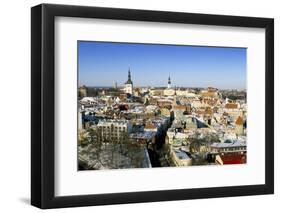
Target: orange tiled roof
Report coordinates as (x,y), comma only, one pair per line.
(150,126)
(231,106)
(239,121)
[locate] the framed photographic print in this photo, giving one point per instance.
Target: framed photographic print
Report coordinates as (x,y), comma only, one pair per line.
(139,106)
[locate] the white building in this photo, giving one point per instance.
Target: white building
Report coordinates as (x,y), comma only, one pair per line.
(169,91)
(229,146)
(180,158)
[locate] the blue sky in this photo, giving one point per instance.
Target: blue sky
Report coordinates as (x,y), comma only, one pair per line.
(101,63)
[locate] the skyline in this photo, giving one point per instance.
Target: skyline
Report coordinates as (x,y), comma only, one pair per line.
(152,64)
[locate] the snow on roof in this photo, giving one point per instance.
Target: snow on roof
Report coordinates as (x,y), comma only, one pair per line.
(143,135)
(88,99)
(181,154)
(109,121)
(229,143)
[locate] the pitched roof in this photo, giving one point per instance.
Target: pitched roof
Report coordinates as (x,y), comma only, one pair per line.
(231,106)
(239,121)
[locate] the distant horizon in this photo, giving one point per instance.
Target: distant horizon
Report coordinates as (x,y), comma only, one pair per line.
(120,87)
(151,64)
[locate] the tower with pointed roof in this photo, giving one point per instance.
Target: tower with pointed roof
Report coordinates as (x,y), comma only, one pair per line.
(239,125)
(129,84)
(169,83)
(169,91)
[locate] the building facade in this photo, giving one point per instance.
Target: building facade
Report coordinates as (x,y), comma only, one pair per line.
(113,130)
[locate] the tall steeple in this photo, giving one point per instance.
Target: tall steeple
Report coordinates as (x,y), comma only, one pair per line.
(129,81)
(169,82)
(129,84)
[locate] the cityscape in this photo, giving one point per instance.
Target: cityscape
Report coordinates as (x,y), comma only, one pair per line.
(159,121)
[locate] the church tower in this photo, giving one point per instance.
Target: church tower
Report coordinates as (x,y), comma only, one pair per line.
(129,84)
(169,83)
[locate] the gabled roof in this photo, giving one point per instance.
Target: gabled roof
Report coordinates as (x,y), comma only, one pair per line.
(239,121)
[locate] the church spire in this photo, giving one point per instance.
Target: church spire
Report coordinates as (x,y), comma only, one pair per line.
(129,74)
(129,84)
(169,82)
(129,81)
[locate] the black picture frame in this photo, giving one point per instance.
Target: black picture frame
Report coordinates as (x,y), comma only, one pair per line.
(43,105)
